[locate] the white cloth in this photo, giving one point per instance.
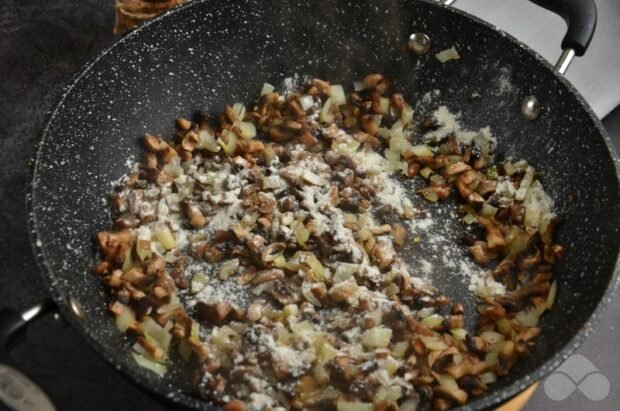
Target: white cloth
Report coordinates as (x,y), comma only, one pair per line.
(596,75)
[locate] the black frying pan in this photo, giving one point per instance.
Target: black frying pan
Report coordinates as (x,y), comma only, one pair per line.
(212,52)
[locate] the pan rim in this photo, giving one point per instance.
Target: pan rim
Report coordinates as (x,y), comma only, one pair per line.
(45,271)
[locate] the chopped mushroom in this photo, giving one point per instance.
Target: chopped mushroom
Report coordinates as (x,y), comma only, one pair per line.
(214,313)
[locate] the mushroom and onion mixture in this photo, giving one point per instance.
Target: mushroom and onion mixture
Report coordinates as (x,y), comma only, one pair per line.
(266,252)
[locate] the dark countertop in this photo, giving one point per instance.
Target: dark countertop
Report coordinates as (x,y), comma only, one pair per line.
(41,45)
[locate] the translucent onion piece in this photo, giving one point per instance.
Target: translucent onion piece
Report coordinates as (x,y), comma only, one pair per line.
(325,116)
(407,115)
(247,129)
(267,89)
(125,319)
(198,283)
(376,337)
(229,268)
(551,296)
(306,102)
(336,92)
(447,55)
(158,368)
(165,237)
(354,406)
(206,140)
(422,150)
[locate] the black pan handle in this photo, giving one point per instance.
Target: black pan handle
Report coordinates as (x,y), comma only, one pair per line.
(17,391)
(580,16)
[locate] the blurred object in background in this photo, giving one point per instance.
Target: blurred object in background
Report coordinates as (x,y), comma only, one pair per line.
(130,13)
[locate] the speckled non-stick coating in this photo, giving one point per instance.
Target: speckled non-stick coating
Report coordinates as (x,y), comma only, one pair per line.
(203,56)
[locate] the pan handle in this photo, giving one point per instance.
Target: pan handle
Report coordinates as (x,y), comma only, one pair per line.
(580,16)
(17,391)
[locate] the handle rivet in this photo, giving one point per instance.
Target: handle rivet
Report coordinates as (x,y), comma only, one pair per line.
(77,308)
(530,107)
(419,43)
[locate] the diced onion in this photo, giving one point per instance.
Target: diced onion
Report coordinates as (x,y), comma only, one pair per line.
(229,268)
(206,140)
(185,350)
(247,129)
(399,144)
(376,337)
(267,89)
(492,337)
(312,178)
(159,335)
(488,377)
(306,102)
(158,368)
(239,110)
(429,195)
(551,296)
(422,150)
(459,333)
(384,132)
(274,182)
(447,55)
(344,271)
(301,233)
(400,349)
(525,184)
(307,293)
(269,154)
(230,147)
(358,86)
(165,237)
(528,318)
(426,172)
(407,115)
(433,343)
(143,248)
(384,105)
(336,92)
(410,405)
(469,218)
(488,210)
(194,336)
(432,321)
(128,261)
(392,156)
(354,406)
(326,116)
(199,281)
(328,352)
(391,393)
(125,319)
(315,265)
(519,243)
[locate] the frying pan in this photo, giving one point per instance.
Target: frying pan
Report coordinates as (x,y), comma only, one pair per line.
(209,53)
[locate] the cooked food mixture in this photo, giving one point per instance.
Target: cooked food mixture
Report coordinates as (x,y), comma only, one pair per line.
(267,247)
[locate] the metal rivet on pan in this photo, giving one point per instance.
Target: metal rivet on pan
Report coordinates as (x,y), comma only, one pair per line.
(76,307)
(530,108)
(419,43)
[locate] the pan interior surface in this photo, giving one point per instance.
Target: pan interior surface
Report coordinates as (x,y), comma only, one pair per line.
(211,53)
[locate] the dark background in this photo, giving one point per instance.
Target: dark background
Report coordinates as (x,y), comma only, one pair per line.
(41,44)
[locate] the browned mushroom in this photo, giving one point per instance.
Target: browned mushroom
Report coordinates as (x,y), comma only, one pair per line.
(214,313)
(481,253)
